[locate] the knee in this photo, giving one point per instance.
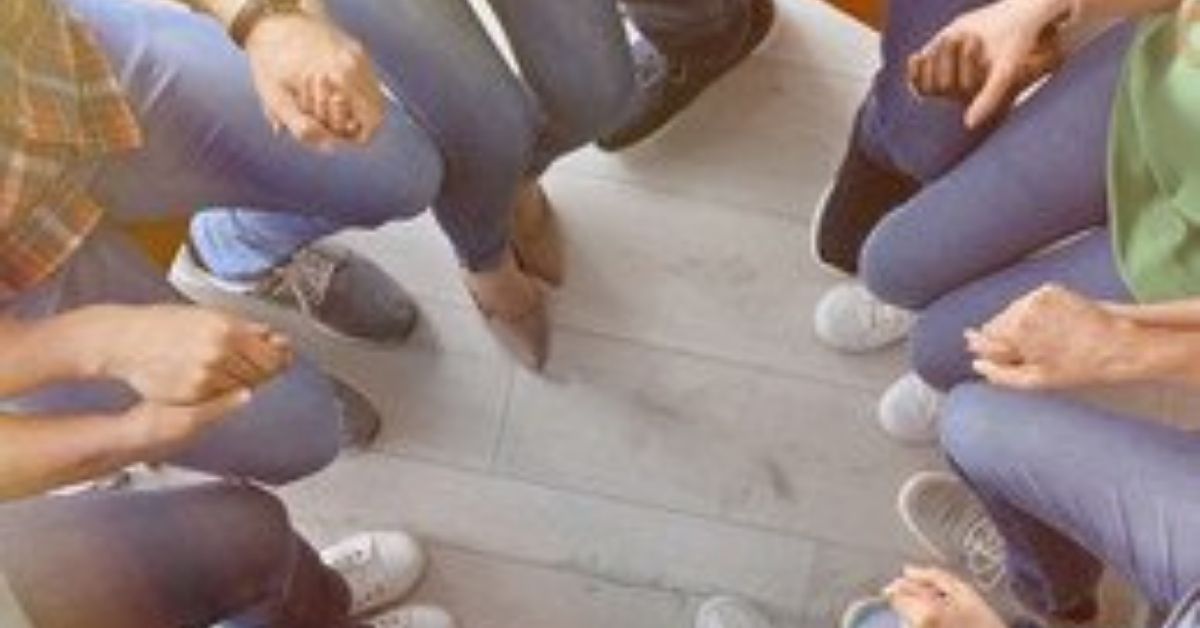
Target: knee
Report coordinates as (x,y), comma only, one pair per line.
(983,427)
(409,181)
(891,267)
(938,349)
(257,529)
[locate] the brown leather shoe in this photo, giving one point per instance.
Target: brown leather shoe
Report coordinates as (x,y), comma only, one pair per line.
(515,309)
(537,239)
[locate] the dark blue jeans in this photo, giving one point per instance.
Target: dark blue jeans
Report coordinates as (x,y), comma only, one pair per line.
(1072,488)
(463,132)
(180,558)
(490,127)
(964,247)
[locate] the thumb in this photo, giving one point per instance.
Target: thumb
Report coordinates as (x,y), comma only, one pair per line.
(221,406)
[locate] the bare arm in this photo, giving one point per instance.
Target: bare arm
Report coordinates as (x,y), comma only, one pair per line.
(50,350)
(42,453)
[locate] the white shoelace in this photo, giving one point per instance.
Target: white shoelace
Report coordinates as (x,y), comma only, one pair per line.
(985,553)
(879,317)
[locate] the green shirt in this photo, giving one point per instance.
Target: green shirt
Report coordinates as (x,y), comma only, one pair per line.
(1154,164)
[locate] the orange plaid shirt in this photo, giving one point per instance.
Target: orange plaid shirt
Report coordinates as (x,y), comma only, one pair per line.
(60,110)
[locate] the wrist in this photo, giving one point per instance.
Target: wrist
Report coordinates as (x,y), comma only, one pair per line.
(255,16)
(1154,353)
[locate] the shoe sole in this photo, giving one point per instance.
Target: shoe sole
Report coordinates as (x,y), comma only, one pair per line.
(760,39)
(856,610)
(201,287)
(906,496)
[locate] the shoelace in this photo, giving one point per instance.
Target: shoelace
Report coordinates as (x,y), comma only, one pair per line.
(394,620)
(305,279)
(877,315)
(985,553)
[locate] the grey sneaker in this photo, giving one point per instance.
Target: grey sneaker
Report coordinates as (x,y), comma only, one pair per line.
(951,524)
(850,319)
(361,422)
(727,612)
(344,294)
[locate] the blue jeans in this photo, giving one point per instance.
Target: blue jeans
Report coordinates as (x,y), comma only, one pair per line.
(482,130)
(960,250)
(1044,467)
(289,430)
(177,558)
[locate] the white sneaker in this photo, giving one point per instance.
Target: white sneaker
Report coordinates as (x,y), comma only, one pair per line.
(380,568)
(412,617)
(909,411)
(849,318)
(726,612)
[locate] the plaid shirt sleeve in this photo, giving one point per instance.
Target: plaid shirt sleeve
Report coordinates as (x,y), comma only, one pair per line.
(61,109)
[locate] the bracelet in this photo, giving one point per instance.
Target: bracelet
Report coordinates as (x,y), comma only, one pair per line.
(253,11)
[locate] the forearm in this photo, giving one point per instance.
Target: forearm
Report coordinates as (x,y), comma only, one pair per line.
(37,455)
(1157,354)
(1101,9)
(1177,314)
(36,353)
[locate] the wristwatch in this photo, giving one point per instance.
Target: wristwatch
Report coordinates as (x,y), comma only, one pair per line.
(253,12)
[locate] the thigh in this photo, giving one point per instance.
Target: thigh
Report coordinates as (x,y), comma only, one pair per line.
(208,143)
(1038,178)
(1119,485)
(575,57)
(289,430)
(939,352)
(183,557)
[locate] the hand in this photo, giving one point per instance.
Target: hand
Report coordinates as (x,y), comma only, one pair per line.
(1053,339)
(177,354)
(987,57)
(932,598)
(161,430)
(314,80)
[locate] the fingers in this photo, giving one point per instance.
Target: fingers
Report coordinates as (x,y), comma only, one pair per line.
(218,408)
(1020,377)
(992,349)
(940,579)
(261,357)
(284,109)
(993,96)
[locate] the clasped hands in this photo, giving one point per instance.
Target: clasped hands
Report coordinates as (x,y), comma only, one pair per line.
(314,80)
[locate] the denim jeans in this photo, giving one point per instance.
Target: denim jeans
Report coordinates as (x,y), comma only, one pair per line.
(964,247)
(289,430)
(1072,488)
(177,558)
(482,129)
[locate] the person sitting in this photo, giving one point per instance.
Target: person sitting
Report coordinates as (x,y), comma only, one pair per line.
(1025,199)
(1053,489)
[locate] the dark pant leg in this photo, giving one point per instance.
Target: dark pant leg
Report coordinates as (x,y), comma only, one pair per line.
(681,24)
(1071,486)
(186,557)
(575,58)
(436,57)
(1039,178)
(939,351)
